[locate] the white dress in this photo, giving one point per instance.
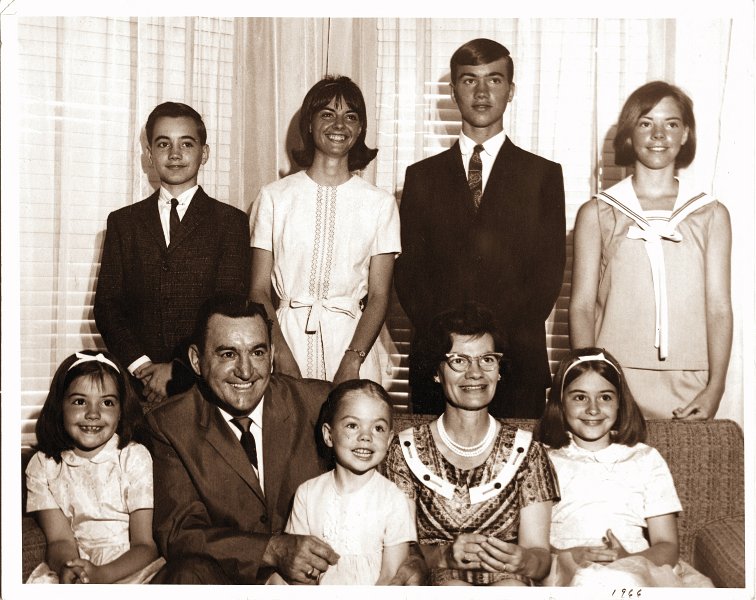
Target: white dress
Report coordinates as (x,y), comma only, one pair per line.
(357,525)
(322,239)
(96,495)
(617,488)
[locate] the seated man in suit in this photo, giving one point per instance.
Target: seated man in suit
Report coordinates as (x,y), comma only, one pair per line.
(224,485)
(164,256)
(484,221)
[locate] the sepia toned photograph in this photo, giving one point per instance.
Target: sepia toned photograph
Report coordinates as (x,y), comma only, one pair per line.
(392,300)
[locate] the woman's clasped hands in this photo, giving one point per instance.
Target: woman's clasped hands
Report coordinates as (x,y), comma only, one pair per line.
(488,553)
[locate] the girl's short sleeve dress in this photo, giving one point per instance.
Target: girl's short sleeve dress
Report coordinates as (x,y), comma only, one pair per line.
(96,495)
(322,239)
(358,525)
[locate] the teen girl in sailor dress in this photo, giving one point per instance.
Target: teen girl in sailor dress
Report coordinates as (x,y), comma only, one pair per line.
(651,276)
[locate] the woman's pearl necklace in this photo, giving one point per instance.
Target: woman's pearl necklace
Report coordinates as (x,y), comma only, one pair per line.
(467,451)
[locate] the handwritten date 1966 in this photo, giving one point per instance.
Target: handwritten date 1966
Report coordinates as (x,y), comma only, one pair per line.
(627,593)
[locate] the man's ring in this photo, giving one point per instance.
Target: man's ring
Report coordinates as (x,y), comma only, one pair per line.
(310,572)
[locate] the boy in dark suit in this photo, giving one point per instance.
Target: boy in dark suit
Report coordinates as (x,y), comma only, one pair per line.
(484,221)
(164,256)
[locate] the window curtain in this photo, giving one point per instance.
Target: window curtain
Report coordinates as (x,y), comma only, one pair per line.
(77,91)
(277,61)
(82,88)
(572,77)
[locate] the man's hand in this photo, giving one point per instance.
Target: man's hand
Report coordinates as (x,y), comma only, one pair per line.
(299,558)
(155,378)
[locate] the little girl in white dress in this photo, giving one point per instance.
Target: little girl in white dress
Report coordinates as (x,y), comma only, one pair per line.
(363,516)
(614,488)
(90,483)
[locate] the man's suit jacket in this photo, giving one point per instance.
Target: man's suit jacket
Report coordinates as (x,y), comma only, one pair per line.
(208,500)
(508,255)
(148,295)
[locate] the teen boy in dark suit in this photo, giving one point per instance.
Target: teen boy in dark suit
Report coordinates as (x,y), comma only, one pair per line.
(484,221)
(164,256)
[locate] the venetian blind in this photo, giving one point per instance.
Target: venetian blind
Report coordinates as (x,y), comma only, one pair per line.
(86,86)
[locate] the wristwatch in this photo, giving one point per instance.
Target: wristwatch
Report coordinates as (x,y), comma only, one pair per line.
(361,353)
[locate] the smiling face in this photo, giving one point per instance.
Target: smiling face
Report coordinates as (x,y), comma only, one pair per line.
(91,410)
(474,388)
(591,405)
(176,153)
(360,431)
(482,93)
(335,129)
(235,362)
(659,135)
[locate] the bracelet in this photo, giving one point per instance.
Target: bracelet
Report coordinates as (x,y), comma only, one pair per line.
(361,353)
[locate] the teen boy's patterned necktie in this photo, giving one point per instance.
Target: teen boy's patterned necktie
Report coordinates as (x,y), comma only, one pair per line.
(174,222)
(247,439)
(475,175)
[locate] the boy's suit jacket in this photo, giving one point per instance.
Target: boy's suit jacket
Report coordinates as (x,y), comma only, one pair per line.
(148,295)
(208,500)
(509,255)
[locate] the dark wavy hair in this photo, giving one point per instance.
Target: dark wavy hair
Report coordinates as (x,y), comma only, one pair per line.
(234,306)
(52,438)
(630,426)
(175,110)
(638,104)
(470,318)
(320,95)
(332,404)
(480,51)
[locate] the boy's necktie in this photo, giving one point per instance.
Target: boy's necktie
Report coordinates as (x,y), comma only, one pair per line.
(247,439)
(175,222)
(475,175)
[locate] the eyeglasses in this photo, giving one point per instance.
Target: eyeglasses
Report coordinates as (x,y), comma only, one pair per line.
(461,362)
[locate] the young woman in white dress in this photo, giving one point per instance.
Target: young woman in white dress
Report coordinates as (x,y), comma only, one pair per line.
(327,240)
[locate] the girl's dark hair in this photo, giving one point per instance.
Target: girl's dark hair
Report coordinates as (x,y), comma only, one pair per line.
(344,90)
(630,426)
(332,404)
(52,438)
(469,318)
(638,104)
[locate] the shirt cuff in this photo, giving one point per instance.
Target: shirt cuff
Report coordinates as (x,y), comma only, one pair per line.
(138,363)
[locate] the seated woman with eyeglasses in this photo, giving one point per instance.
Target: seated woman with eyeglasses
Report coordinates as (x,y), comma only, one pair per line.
(482,490)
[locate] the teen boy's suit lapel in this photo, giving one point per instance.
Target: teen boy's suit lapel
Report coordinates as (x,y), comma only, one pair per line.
(148,214)
(196,213)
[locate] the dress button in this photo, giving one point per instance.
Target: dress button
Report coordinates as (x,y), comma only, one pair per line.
(497,485)
(426,477)
(520,450)
(408,444)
